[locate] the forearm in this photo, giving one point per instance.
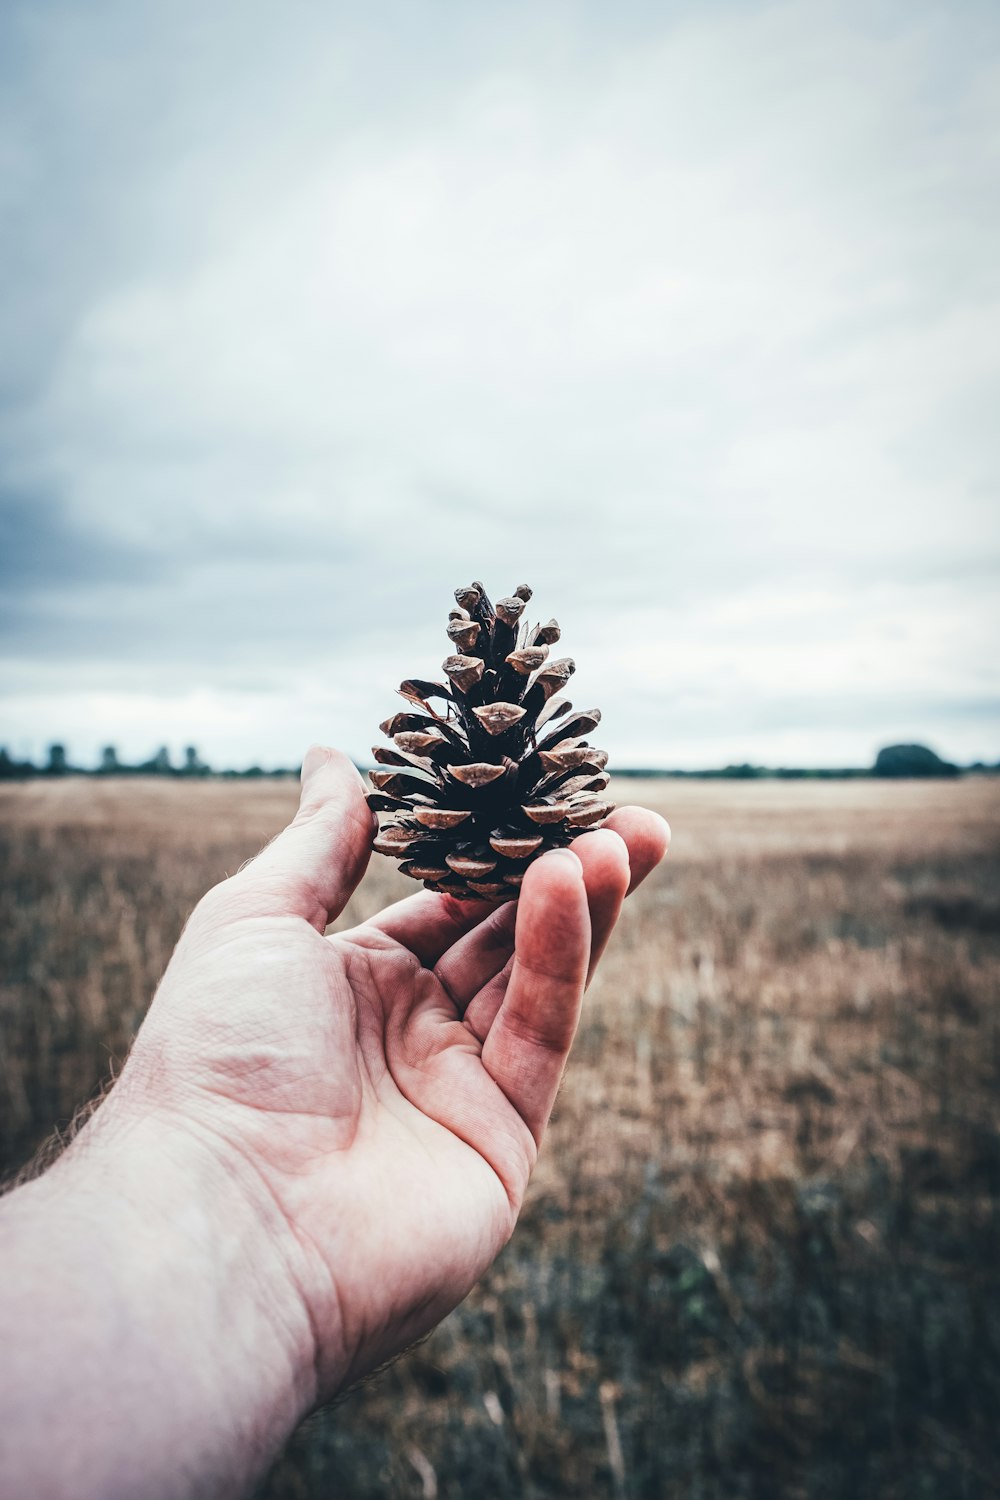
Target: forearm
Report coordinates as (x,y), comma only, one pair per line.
(149,1348)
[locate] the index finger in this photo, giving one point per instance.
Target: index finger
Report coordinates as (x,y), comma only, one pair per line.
(527,1045)
(429,922)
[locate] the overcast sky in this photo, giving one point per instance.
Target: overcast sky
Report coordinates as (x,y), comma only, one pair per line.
(687,314)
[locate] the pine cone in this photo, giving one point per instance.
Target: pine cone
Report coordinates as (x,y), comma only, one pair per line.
(476,792)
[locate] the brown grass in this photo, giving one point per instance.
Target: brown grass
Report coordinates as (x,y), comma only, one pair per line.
(762,1250)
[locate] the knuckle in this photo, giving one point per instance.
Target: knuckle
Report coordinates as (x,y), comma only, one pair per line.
(547,1036)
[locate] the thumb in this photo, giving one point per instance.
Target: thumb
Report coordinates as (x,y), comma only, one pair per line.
(313,866)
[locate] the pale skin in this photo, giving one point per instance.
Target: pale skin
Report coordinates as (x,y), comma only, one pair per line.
(316,1148)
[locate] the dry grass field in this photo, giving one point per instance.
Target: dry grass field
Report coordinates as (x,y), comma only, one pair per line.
(761,1255)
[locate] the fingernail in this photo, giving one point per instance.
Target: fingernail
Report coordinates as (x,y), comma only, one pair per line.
(316,756)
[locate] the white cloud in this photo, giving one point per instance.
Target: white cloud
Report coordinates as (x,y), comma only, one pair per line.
(693,326)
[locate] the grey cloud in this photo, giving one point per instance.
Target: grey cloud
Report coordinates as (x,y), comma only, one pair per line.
(672,312)
(43,545)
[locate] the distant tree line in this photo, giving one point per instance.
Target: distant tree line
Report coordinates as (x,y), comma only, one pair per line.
(160,764)
(894,761)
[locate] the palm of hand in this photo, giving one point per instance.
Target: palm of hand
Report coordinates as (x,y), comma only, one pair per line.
(343,1070)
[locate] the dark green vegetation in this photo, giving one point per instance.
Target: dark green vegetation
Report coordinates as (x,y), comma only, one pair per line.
(58,763)
(911,760)
(761,1256)
(894,760)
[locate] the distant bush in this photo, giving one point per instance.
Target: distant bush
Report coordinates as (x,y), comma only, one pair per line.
(14,770)
(911,760)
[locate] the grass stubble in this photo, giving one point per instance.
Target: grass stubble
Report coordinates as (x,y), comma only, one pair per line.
(761,1251)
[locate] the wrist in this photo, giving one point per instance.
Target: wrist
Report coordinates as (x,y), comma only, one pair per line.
(194,1212)
(163,1274)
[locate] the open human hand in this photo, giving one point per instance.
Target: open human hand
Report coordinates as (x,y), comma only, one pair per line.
(387,1086)
(317,1145)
